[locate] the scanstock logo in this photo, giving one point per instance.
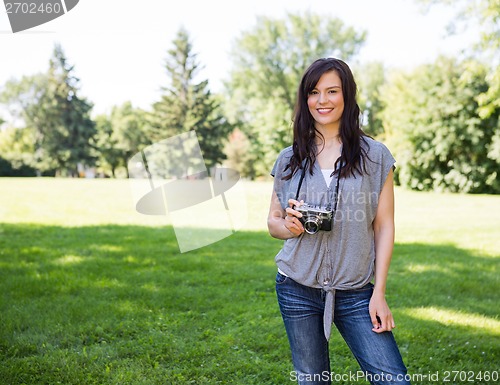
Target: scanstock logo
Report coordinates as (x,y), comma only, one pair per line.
(170,178)
(31,13)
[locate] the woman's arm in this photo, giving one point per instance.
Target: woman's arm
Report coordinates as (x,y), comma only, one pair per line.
(283,224)
(383,227)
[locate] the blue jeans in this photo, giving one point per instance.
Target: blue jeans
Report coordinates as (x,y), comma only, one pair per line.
(302,310)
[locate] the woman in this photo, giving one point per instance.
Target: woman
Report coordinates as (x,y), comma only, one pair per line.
(333,204)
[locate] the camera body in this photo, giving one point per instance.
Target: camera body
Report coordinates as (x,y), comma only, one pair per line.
(315,218)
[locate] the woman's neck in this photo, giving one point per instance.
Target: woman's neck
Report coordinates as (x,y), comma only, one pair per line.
(332,141)
(330,135)
(328,148)
(328,141)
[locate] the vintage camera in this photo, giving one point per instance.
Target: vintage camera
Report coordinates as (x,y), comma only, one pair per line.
(315,218)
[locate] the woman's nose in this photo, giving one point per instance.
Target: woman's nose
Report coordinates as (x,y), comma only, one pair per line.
(322,98)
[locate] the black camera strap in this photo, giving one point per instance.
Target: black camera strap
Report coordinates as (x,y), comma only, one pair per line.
(337,186)
(303,174)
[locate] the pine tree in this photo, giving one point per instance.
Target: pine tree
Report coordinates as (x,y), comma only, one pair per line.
(49,111)
(187,105)
(66,130)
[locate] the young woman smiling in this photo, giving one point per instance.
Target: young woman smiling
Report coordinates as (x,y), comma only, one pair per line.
(333,205)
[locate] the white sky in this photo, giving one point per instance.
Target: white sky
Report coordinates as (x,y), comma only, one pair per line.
(118,47)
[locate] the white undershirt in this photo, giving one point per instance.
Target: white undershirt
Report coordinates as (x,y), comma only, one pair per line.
(327,174)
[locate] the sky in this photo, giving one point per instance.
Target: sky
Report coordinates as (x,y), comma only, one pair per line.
(119,47)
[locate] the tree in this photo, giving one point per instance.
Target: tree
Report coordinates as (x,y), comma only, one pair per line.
(16,149)
(486,15)
(21,100)
(269,61)
(371,78)
(57,120)
(108,156)
(434,128)
(189,105)
(65,126)
(120,136)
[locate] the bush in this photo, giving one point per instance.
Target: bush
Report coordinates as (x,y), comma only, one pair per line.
(6,169)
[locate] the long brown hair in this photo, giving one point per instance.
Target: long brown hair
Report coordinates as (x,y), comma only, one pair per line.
(304,131)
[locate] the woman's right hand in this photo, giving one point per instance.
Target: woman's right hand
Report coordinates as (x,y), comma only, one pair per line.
(292,222)
(284,223)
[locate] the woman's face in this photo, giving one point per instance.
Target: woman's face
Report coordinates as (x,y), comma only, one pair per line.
(326,101)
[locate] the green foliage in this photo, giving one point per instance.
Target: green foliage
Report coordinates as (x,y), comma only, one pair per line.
(17,146)
(441,121)
(120,136)
(50,112)
(19,138)
(370,79)
(434,128)
(268,63)
(484,12)
(65,125)
(7,169)
(485,15)
(187,105)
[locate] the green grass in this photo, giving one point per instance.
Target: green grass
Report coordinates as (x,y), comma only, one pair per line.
(94,293)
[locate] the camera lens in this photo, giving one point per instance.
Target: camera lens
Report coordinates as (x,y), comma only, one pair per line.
(312,225)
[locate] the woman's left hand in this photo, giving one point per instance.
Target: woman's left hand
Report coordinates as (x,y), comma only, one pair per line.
(380,314)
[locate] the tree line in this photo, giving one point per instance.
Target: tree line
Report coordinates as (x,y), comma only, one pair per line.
(441,120)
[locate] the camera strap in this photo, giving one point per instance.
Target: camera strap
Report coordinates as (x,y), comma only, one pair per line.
(302,175)
(337,186)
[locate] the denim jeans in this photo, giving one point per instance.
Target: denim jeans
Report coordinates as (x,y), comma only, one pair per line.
(302,310)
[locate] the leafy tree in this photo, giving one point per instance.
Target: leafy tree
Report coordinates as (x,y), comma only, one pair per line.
(21,100)
(120,136)
(269,61)
(16,149)
(7,169)
(486,15)
(371,78)
(433,126)
(189,105)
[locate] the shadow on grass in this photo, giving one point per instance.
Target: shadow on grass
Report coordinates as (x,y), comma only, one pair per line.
(121,304)
(446,302)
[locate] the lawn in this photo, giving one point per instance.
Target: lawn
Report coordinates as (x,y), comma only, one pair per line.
(94,293)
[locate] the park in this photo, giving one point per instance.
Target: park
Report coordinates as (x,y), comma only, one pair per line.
(96,290)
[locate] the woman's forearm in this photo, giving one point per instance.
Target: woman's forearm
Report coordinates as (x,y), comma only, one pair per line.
(384,243)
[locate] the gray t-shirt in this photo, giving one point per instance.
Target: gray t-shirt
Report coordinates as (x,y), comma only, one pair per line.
(343,258)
